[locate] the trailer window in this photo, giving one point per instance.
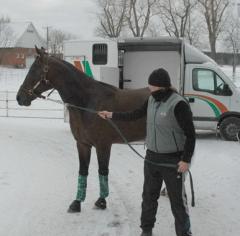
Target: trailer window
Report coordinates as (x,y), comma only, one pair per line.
(99,54)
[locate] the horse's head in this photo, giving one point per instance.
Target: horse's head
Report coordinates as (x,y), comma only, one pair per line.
(36,81)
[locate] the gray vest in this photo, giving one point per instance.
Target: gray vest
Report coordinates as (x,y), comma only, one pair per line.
(164,135)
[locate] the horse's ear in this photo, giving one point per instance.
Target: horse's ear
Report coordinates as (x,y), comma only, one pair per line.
(38,51)
(41,52)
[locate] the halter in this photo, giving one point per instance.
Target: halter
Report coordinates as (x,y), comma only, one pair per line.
(44,80)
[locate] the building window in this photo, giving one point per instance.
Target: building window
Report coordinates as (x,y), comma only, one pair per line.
(22,56)
(18,55)
(99,54)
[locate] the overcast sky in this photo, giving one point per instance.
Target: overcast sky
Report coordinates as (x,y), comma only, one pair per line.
(74,16)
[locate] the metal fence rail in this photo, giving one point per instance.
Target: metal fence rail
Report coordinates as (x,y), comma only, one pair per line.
(38,109)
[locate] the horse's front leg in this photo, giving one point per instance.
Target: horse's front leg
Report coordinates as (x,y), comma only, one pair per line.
(103,155)
(84,153)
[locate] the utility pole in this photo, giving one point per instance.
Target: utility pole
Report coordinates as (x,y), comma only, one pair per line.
(47,36)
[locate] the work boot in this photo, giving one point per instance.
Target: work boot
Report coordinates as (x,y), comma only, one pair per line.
(146,233)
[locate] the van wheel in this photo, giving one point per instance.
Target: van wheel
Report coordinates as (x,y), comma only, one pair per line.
(230,128)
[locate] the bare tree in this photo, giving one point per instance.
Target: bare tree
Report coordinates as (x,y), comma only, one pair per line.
(56,38)
(175,16)
(6,33)
(139,15)
(6,36)
(111,17)
(195,31)
(154,28)
(232,38)
(214,13)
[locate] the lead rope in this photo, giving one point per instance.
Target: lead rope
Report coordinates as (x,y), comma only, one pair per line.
(174,166)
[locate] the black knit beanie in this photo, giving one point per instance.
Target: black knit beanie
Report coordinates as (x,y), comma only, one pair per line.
(159,78)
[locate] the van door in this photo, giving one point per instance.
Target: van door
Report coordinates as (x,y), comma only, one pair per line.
(110,75)
(208,94)
(138,65)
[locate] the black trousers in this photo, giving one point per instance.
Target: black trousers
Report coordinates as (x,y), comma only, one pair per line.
(153,179)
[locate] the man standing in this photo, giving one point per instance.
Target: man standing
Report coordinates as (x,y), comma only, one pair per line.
(170,140)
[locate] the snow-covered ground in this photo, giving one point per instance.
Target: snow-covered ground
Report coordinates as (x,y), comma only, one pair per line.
(38,178)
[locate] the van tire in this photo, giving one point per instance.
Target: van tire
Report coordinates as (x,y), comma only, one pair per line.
(229,128)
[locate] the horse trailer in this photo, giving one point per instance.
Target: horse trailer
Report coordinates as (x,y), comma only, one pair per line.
(213,97)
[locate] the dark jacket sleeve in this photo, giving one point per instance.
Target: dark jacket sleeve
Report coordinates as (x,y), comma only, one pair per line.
(183,115)
(131,115)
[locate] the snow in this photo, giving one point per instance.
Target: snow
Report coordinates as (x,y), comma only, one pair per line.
(14,32)
(38,181)
(38,178)
(17,35)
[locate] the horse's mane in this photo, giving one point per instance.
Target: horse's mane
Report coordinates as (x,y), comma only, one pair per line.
(81,74)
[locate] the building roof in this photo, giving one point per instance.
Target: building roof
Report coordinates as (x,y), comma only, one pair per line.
(20,34)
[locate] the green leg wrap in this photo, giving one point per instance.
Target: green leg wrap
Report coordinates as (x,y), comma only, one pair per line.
(103,181)
(82,186)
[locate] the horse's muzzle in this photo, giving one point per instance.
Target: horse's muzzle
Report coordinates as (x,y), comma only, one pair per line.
(23,99)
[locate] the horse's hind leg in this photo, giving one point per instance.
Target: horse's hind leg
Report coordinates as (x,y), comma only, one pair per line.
(103,155)
(84,153)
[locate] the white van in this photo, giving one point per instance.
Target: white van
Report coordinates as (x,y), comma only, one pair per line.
(214,99)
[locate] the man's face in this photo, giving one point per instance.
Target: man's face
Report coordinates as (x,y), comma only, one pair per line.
(153,88)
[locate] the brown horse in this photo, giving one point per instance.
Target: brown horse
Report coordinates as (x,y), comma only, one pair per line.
(88,129)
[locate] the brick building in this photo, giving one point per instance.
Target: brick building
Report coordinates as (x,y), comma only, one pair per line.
(17,43)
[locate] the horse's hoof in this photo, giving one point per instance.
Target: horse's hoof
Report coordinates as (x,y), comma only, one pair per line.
(101,203)
(75,207)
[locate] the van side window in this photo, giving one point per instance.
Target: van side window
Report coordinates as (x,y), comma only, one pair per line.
(99,54)
(208,81)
